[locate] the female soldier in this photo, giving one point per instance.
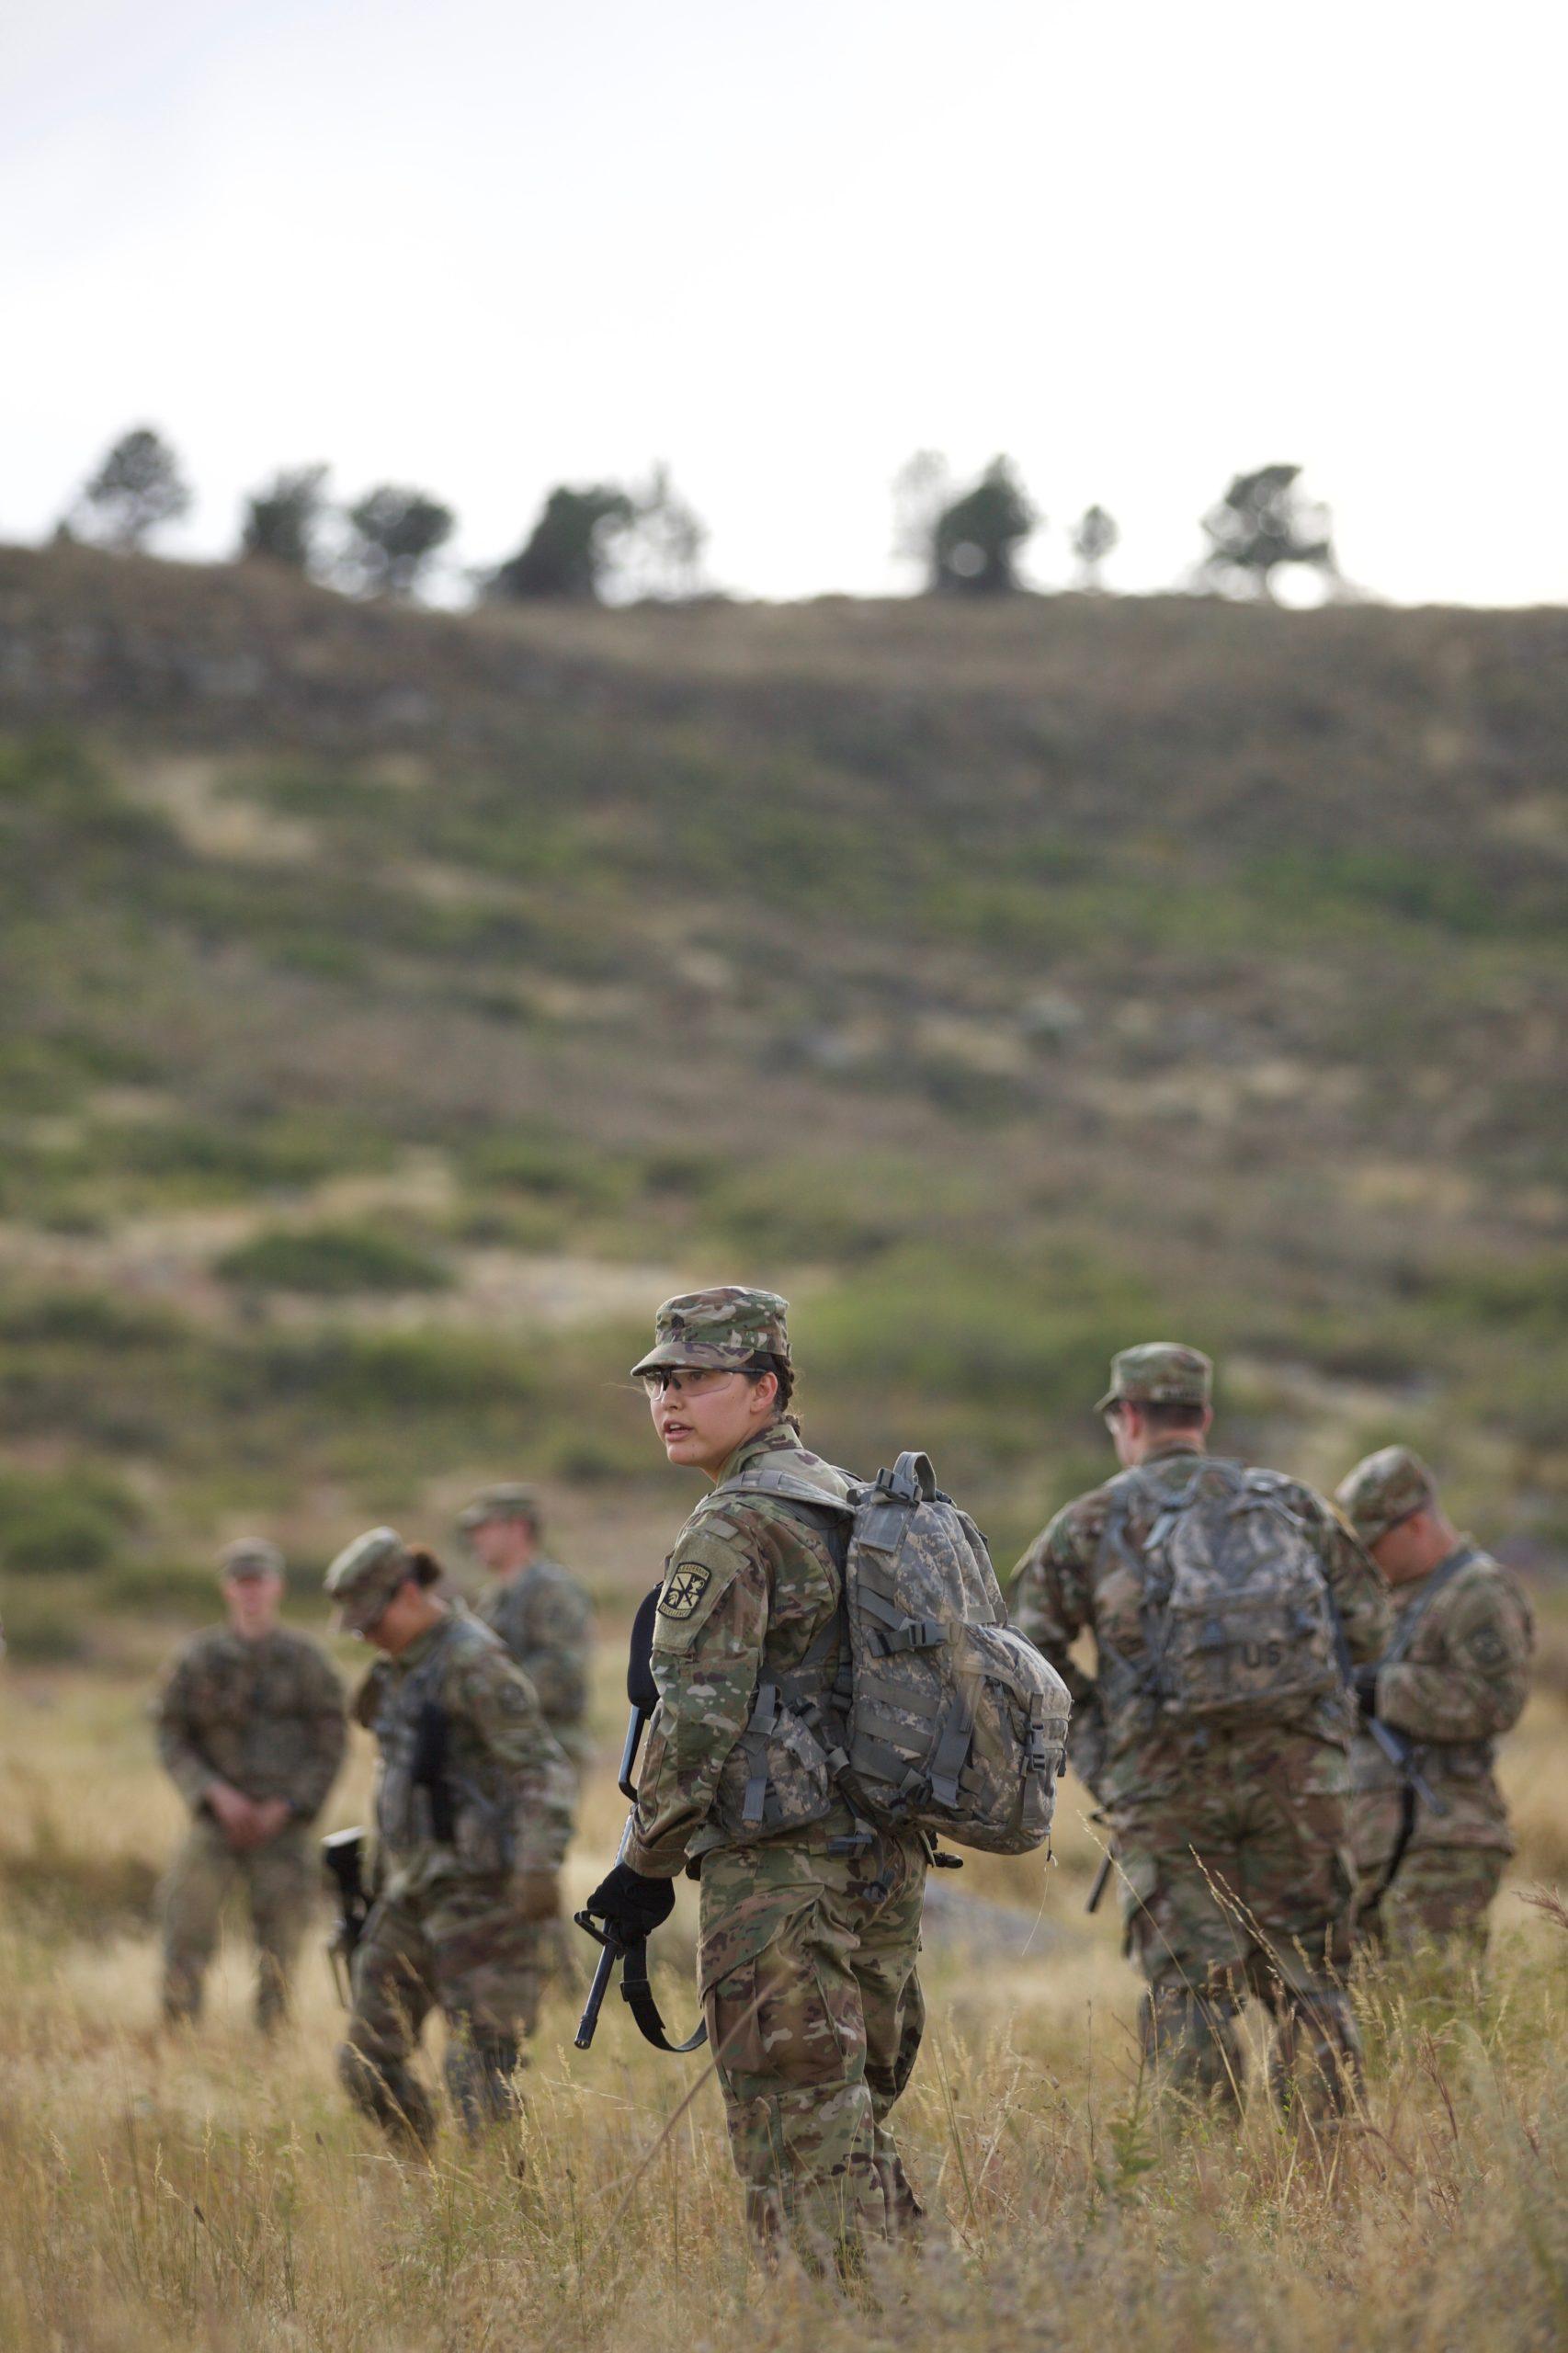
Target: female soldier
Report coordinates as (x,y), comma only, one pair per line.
(810,1927)
(473,1814)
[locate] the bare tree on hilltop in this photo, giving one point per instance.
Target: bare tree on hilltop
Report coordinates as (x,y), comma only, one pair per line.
(1096,535)
(282,521)
(394,532)
(1263,523)
(137,489)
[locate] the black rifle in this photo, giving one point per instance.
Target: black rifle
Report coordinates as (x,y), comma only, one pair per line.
(643,1693)
(1401,1754)
(1102,1881)
(428,1769)
(343,1852)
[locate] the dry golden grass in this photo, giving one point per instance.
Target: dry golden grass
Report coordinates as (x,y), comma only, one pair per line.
(208,2191)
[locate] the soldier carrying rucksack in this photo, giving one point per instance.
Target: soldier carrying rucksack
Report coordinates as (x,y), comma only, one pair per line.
(1230,1608)
(837,1685)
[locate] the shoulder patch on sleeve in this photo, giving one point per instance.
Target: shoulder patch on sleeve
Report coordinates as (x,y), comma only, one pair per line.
(684,1590)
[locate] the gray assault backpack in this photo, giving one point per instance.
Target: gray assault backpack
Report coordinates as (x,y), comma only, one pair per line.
(943,1718)
(1239,1620)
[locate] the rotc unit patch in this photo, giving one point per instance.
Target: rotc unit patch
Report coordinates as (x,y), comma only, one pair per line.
(684,1589)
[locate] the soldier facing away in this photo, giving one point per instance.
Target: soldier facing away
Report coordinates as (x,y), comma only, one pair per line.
(1455,1676)
(807,1940)
(1214,1733)
(472,1811)
(251,1731)
(537,1608)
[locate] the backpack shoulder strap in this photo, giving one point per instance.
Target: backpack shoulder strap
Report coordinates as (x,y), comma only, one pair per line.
(788,1486)
(1410,1624)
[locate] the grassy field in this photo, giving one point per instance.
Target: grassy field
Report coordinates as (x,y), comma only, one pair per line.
(395,1005)
(207,2191)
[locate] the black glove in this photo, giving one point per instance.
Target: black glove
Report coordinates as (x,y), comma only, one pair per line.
(1366,1692)
(631,1905)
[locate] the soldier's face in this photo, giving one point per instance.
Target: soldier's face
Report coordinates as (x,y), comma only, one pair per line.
(501,1544)
(702,1416)
(253,1604)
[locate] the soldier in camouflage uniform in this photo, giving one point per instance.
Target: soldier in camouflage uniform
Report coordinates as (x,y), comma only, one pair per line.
(537,1608)
(1454,1677)
(472,1811)
(251,1731)
(1232,1837)
(807,1940)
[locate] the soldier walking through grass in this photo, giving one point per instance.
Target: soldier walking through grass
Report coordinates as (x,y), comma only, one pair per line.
(1228,1608)
(1454,1677)
(473,1813)
(251,1731)
(808,1933)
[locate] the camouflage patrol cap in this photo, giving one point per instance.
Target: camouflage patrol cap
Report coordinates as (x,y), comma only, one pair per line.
(1159,1373)
(252,1556)
(1383,1489)
(509,1499)
(723,1329)
(364,1575)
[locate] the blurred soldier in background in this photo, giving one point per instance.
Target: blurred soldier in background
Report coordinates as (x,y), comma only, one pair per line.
(251,1731)
(808,1936)
(1454,1675)
(539,1608)
(1214,1733)
(472,1811)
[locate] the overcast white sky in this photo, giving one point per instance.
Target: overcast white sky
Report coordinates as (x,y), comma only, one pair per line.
(484,248)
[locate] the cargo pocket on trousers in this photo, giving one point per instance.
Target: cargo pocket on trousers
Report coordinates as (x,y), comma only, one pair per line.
(770,2015)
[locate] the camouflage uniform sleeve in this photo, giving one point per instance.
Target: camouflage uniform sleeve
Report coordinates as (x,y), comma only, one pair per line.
(499,1703)
(708,1644)
(1052,1603)
(1355,1581)
(179,1752)
(555,1658)
(323,1735)
(1479,1688)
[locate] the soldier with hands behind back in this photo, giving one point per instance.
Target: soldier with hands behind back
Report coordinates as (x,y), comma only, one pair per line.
(251,1731)
(809,1931)
(1228,1608)
(473,1813)
(1429,1826)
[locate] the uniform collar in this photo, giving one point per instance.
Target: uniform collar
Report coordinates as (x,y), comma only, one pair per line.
(778,1438)
(426,1643)
(1177,1443)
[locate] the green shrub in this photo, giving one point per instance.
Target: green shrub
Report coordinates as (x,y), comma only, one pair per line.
(333,1262)
(60,1524)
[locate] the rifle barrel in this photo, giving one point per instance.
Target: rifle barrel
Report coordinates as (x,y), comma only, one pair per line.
(597,1991)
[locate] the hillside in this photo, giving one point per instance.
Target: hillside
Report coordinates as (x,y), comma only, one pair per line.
(396,1003)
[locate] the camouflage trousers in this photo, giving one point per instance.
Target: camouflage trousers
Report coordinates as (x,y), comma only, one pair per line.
(279,1882)
(461,1949)
(1439,1895)
(1238,1881)
(816,2015)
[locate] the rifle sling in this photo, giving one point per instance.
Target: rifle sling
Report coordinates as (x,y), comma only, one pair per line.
(638,1995)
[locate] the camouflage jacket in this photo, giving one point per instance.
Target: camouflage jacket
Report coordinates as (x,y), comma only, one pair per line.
(544,1616)
(749,1585)
(1456,1676)
(505,1784)
(265,1716)
(1069,1582)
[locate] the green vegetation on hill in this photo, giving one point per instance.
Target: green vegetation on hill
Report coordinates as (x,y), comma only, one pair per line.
(395,1003)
